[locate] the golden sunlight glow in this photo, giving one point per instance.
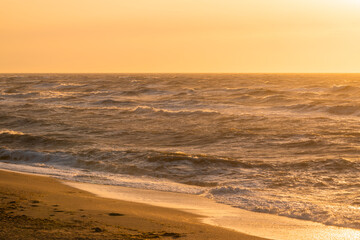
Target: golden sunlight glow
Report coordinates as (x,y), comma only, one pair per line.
(179,36)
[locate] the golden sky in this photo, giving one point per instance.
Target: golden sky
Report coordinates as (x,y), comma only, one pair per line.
(179,36)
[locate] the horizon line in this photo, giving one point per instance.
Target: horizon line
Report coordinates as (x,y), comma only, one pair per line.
(179,72)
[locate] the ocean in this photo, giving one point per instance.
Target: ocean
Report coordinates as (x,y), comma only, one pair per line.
(284,144)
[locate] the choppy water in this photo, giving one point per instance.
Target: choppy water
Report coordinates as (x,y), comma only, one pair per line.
(286,144)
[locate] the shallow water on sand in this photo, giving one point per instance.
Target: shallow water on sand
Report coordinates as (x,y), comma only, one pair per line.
(284,144)
(264,225)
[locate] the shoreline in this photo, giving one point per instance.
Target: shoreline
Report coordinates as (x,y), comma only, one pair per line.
(268,226)
(197,217)
(41,207)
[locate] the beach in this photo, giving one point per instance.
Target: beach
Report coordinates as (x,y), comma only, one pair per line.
(37,207)
(268,155)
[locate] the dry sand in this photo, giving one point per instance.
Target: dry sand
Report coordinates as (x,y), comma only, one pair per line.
(35,207)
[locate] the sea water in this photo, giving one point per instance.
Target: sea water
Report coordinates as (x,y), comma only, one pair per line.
(283,144)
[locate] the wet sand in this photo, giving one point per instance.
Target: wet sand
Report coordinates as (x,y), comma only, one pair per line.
(36,207)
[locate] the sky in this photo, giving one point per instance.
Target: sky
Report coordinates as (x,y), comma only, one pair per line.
(237,36)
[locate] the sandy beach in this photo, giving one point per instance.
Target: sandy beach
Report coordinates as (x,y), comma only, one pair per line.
(36,207)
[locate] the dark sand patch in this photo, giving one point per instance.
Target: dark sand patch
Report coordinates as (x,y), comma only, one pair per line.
(116,214)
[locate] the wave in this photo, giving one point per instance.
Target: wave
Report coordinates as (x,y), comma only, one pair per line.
(14,90)
(255,186)
(327,214)
(22,95)
(149,110)
(175,166)
(303,107)
(262,92)
(150,160)
(340,110)
(305,144)
(10,132)
(344,110)
(14,121)
(69,86)
(15,156)
(251,91)
(276,99)
(24,140)
(345,89)
(333,165)
(67,165)
(229,190)
(142,91)
(111,102)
